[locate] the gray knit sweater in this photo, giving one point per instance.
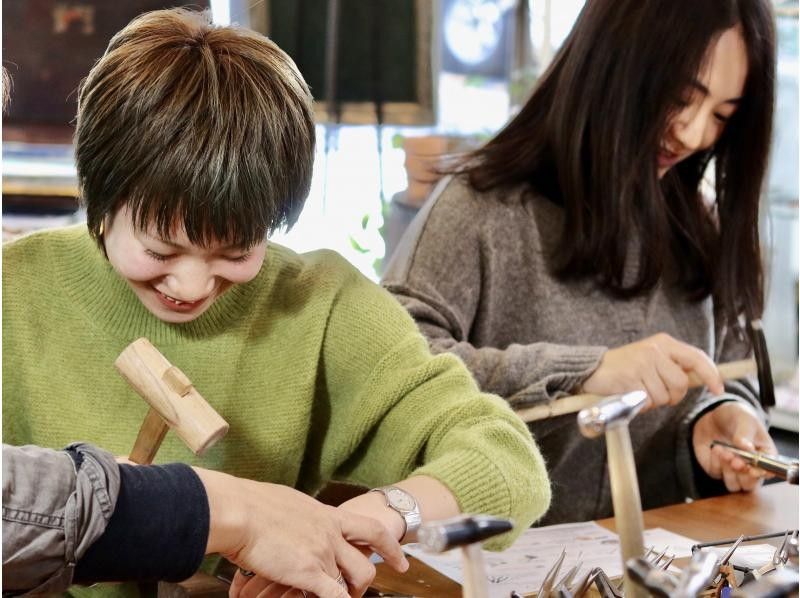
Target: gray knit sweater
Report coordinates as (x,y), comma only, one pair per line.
(471,271)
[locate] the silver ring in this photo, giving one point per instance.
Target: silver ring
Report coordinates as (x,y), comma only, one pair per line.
(341,581)
(246,573)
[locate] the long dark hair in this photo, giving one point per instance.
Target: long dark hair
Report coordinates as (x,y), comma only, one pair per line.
(587,139)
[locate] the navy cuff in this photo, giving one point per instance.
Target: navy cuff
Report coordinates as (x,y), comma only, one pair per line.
(159,529)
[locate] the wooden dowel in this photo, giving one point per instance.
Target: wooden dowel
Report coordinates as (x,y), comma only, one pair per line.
(475,584)
(149,439)
(572,404)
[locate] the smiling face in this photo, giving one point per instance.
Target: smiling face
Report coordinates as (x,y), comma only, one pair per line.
(174,279)
(708,104)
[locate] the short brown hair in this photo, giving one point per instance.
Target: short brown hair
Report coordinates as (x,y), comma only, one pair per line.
(192,124)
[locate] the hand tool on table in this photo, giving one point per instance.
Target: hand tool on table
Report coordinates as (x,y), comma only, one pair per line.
(466,531)
(572,404)
(174,403)
(725,559)
(780,583)
(605,586)
(653,560)
(563,587)
(783,467)
(689,583)
(611,418)
(549,581)
(778,559)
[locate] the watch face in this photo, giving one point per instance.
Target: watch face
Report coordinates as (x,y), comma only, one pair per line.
(400,499)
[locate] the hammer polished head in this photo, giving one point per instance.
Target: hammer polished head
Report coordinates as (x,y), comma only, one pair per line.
(438,536)
(615,410)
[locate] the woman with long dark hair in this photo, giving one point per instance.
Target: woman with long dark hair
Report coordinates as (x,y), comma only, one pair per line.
(580,251)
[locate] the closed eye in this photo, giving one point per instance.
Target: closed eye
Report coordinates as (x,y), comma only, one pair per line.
(239,258)
(157,256)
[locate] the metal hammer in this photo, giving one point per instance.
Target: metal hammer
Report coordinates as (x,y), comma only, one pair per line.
(611,418)
(466,531)
(174,403)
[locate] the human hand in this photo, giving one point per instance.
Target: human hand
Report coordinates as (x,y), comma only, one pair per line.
(738,424)
(659,364)
(291,540)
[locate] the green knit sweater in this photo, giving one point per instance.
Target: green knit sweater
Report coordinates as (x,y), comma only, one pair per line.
(319,372)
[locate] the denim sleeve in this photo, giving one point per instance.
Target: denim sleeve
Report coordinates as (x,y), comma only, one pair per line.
(55,505)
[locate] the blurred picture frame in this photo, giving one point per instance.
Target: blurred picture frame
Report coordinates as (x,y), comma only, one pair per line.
(385,56)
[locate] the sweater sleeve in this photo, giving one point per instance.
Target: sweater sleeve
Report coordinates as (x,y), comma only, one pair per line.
(441,273)
(396,411)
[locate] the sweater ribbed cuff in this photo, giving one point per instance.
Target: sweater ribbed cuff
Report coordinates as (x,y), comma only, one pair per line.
(567,367)
(491,493)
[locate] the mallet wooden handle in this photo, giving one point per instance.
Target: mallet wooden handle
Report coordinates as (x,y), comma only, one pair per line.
(174,403)
(728,371)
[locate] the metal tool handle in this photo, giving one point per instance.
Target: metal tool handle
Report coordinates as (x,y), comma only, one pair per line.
(781,466)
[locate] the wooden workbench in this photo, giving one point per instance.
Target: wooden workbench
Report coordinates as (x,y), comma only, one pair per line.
(772,508)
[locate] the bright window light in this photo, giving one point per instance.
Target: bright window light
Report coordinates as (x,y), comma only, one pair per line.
(221,12)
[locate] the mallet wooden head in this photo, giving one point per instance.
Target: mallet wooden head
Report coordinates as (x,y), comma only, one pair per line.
(174,403)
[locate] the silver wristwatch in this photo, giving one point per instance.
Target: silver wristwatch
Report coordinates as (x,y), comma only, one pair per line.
(405,504)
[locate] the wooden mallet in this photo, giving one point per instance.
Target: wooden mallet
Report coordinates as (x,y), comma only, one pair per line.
(174,403)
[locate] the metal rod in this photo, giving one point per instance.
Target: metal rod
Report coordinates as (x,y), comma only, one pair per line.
(781,466)
(696,547)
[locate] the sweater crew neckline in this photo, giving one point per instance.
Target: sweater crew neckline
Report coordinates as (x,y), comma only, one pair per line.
(108,301)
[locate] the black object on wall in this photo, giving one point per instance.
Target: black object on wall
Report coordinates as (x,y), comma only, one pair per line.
(383,70)
(50,45)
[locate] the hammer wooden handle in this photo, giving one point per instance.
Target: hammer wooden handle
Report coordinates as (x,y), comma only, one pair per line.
(574,403)
(174,403)
(150,436)
(625,498)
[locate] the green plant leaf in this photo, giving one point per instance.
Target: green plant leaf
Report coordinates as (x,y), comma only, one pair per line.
(357,246)
(377,265)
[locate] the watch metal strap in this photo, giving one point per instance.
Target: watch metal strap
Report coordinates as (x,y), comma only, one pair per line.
(412,519)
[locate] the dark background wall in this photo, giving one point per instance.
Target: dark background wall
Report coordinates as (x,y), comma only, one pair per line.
(50,45)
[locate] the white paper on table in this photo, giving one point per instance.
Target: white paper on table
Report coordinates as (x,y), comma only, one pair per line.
(676,545)
(524,566)
(751,556)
